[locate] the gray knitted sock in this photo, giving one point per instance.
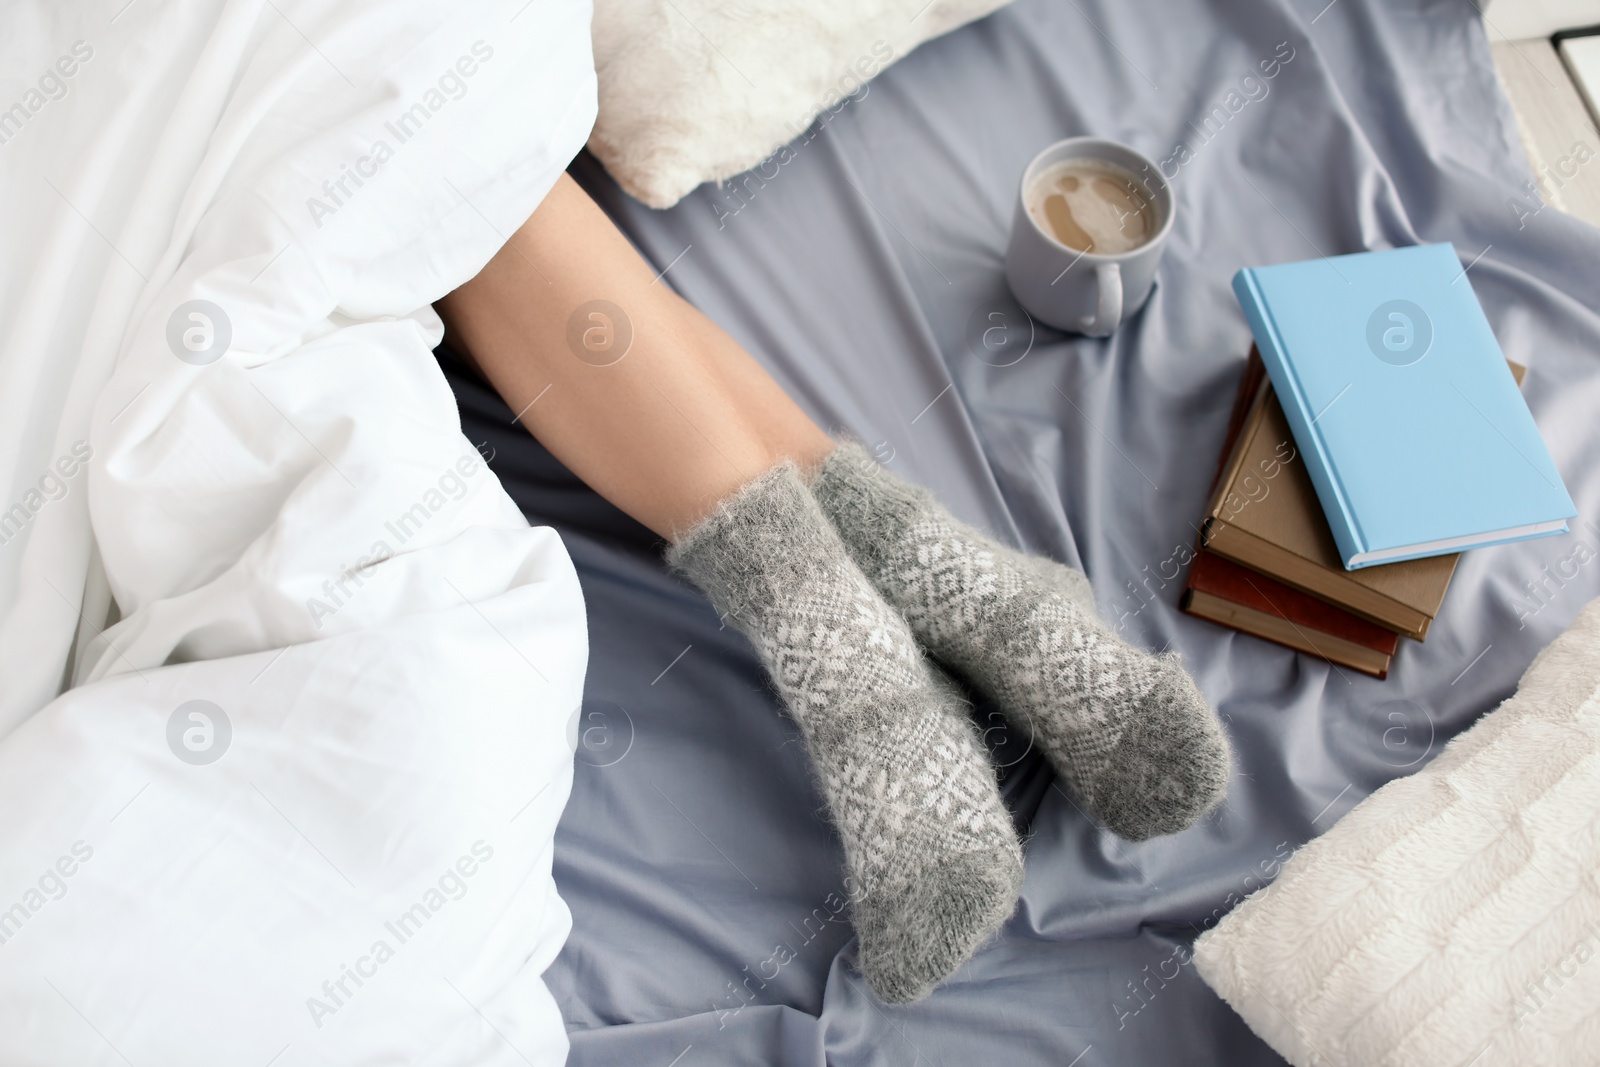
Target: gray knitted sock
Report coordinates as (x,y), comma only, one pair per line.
(936,864)
(1127,730)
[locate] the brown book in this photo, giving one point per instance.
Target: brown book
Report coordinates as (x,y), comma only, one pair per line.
(1255,372)
(1265,515)
(1224,592)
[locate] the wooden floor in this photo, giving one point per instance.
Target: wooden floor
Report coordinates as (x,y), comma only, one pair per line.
(1558,130)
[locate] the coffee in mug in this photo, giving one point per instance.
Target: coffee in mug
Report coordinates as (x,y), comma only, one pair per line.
(1091,218)
(1091,205)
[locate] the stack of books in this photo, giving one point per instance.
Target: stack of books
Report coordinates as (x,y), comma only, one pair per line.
(1336,520)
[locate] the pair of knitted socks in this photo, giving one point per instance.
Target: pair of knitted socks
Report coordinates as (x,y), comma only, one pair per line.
(841,585)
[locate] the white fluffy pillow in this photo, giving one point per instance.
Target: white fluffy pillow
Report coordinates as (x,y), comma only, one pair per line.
(1452,917)
(700,90)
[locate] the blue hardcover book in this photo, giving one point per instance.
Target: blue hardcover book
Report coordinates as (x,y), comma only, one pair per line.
(1413,430)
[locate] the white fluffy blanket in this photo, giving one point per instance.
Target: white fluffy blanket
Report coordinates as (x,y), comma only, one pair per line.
(693,91)
(300,807)
(1453,917)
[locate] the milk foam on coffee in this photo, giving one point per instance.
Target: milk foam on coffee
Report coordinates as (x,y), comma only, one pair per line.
(1091,205)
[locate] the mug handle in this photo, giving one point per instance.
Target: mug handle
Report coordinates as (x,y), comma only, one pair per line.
(1108,306)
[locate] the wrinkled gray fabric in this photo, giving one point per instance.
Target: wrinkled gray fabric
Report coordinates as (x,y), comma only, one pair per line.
(703,883)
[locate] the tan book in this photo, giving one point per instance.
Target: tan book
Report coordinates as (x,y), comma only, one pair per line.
(1265,515)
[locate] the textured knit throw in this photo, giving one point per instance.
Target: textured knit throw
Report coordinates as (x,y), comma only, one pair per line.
(1452,917)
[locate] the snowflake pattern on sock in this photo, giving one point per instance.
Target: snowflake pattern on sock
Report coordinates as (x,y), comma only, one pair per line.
(934,860)
(1128,730)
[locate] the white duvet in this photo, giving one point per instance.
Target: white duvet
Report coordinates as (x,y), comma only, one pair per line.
(297,805)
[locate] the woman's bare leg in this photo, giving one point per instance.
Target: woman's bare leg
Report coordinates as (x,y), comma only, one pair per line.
(687,434)
(675,426)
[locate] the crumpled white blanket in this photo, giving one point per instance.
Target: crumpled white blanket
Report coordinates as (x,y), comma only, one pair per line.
(1452,917)
(300,805)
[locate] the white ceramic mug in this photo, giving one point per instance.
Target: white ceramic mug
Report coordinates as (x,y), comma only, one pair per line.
(1085,292)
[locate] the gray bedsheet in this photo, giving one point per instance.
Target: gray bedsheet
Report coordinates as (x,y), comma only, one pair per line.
(705,887)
